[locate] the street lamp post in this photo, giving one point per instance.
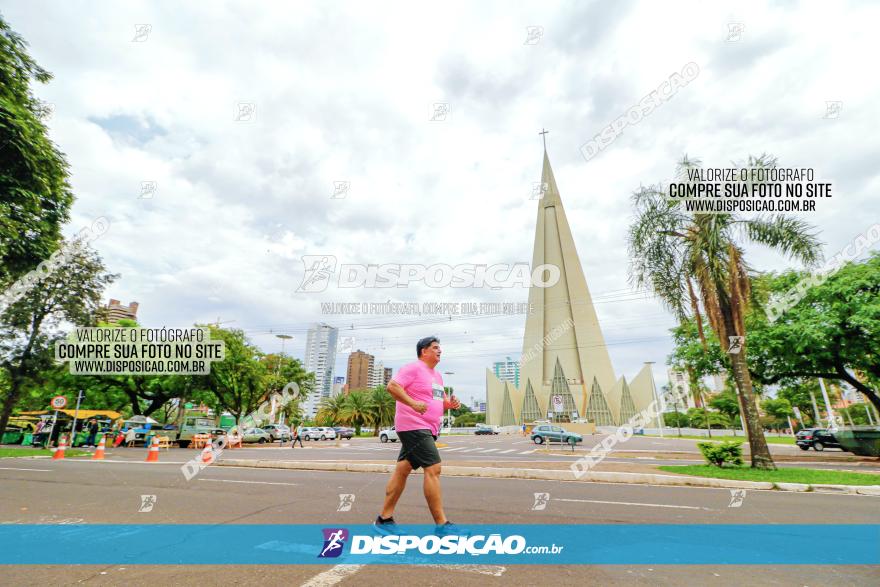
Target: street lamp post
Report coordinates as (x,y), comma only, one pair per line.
(284,338)
(448,421)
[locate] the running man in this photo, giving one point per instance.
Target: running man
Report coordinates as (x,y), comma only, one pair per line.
(421,400)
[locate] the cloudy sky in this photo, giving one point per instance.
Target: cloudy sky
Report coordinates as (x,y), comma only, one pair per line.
(346,92)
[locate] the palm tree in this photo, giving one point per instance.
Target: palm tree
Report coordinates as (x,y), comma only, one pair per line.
(382,408)
(693,259)
(356,410)
(330,410)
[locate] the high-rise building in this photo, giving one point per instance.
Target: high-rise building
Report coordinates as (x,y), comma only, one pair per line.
(386,377)
(115,311)
(320,360)
(377,374)
(507,371)
(679,381)
(360,370)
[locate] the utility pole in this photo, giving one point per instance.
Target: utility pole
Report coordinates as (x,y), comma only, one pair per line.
(75,417)
(816,420)
(284,338)
(832,421)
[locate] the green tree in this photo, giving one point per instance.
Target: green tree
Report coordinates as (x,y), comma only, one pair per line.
(697,352)
(676,420)
(357,410)
(382,408)
(238,381)
(698,419)
(797,394)
(30,327)
(832,333)
(779,410)
(35,196)
(726,403)
(686,259)
(330,410)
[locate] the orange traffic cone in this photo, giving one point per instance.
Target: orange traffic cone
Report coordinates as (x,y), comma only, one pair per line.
(153,455)
(208,454)
(99,452)
(59,452)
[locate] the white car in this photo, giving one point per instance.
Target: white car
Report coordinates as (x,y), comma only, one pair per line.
(387,434)
(319,433)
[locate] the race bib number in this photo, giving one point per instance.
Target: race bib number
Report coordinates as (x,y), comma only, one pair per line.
(438,391)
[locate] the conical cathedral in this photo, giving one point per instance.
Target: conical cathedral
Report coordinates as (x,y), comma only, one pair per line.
(565,369)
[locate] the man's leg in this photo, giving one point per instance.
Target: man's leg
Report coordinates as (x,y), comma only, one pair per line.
(395,487)
(433,494)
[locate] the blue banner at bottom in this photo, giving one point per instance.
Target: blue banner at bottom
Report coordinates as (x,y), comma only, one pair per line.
(525,544)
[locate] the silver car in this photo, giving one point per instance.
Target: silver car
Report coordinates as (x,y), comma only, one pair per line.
(278,432)
(256,435)
(319,433)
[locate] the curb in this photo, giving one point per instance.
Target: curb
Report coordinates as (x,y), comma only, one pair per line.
(563,475)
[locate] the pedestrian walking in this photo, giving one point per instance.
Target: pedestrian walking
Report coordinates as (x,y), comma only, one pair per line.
(297,437)
(421,400)
(93,432)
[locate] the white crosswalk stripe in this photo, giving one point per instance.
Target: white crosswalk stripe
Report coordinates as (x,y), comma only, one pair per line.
(490,450)
(503,452)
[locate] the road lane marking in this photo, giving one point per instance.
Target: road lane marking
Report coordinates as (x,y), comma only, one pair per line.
(454,449)
(504,452)
(23,469)
(332,576)
(527,452)
(493,570)
(490,450)
(653,505)
(254,482)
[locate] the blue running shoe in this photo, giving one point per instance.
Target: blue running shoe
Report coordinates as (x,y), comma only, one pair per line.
(450,529)
(386,527)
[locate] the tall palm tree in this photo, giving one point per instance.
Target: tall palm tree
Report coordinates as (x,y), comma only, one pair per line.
(356,410)
(693,259)
(330,410)
(382,407)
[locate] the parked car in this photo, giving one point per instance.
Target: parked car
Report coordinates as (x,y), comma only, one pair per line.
(552,433)
(256,435)
(487,429)
(278,432)
(387,434)
(318,433)
(343,432)
(818,438)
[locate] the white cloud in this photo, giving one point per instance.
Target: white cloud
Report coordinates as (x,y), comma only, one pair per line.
(343,92)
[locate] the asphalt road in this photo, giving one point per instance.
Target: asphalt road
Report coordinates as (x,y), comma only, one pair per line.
(515,449)
(80,491)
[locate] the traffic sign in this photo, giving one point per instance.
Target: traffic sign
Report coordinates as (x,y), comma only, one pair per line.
(59,401)
(558,403)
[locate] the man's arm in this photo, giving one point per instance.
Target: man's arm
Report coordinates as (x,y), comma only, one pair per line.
(450,402)
(398,393)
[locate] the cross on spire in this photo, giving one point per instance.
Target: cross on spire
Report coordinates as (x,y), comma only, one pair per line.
(543,134)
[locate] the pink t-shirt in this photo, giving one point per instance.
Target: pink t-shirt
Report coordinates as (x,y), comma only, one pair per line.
(422,384)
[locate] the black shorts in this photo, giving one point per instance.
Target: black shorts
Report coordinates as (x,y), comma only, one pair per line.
(417,446)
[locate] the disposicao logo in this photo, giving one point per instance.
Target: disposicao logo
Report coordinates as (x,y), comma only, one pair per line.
(334,541)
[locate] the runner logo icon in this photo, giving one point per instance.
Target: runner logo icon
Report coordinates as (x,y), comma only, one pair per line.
(334,541)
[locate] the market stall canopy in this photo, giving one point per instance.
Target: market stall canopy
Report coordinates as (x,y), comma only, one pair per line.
(83,414)
(142,419)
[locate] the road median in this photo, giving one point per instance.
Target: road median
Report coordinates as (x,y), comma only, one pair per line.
(556,475)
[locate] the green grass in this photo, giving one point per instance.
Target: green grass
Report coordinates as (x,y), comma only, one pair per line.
(787,475)
(36,452)
(743,439)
